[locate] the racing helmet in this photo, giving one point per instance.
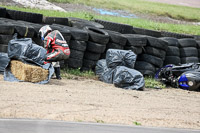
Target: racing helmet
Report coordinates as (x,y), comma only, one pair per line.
(44,31)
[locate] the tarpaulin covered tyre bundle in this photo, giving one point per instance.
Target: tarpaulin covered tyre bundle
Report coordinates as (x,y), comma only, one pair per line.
(127,78)
(119,71)
(4,61)
(25,51)
(116,58)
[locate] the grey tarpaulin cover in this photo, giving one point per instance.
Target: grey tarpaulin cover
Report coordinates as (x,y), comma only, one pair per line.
(25,50)
(128,78)
(4,60)
(115,57)
(119,75)
(105,73)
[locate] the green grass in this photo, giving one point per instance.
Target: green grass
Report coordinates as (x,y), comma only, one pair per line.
(142,6)
(75,73)
(141,23)
(152,83)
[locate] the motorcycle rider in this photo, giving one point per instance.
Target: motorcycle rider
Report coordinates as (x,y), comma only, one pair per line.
(56,46)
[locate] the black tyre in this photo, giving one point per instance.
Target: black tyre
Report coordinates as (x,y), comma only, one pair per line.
(38,41)
(155,52)
(117,37)
(55,20)
(189,60)
(147,73)
(4,39)
(65,32)
(81,23)
(78,34)
(142,31)
(89,64)
(158,62)
(171,41)
(157,43)
(74,63)
(77,45)
(26,16)
(114,46)
(142,65)
(187,42)
(97,35)
(198,44)
(24,31)
(173,51)
(136,50)
(175,35)
(76,54)
(122,28)
(136,40)
(176,60)
(95,47)
(2,12)
(3,48)
(91,56)
(6,29)
(188,52)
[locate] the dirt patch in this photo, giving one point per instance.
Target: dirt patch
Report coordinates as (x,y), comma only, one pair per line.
(94,101)
(84,8)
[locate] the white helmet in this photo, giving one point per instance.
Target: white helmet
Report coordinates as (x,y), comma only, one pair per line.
(44,31)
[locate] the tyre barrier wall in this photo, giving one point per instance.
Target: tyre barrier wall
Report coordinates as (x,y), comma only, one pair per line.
(89,41)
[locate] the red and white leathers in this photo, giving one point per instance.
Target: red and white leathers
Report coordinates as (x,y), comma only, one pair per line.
(57,47)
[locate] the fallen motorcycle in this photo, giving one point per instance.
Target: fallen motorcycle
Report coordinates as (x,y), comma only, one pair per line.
(185,76)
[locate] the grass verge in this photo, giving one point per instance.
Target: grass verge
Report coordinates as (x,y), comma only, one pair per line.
(142,6)
(76,74)
(141,23)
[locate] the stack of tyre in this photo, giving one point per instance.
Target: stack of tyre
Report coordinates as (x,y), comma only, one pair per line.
(135,43)
(152,57)
(173,52)
(77,45)
(6,31)
(198,47)
(188,50)
(116,41)
(96,45)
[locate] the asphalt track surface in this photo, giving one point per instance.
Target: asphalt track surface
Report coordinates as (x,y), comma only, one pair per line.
(47,126)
